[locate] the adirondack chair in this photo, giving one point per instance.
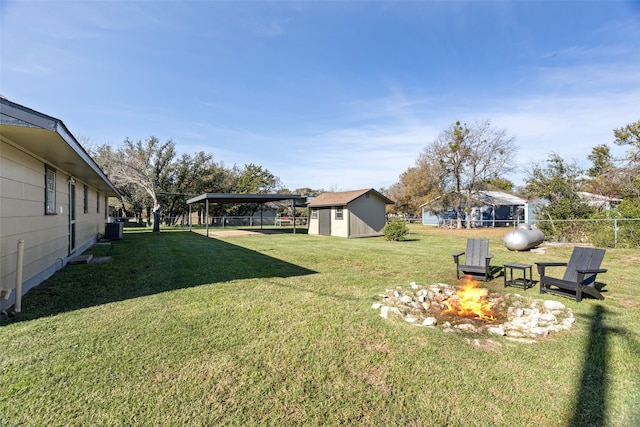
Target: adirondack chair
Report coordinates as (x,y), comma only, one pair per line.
(579,276)
(477,259)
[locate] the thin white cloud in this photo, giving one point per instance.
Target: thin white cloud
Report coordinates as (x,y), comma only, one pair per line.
(270,29)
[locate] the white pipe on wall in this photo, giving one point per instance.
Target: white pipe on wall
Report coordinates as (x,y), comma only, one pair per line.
(18,304)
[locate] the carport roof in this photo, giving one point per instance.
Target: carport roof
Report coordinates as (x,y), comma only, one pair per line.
(222,198)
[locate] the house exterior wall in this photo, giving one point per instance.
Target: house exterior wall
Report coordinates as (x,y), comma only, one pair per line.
(22,217)
(367,216)
(483,216)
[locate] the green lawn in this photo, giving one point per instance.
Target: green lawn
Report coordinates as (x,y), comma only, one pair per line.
(180,329)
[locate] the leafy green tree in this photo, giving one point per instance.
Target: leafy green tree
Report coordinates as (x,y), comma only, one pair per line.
(601,159)
(557,182)
(629,135)
(497,183)
(251,179)
(190,176)
(605,177)
(630,170)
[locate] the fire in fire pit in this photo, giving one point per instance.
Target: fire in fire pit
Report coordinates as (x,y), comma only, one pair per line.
(470,301)
(473,309)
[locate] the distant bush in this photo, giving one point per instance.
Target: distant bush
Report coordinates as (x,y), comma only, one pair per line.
(396,230)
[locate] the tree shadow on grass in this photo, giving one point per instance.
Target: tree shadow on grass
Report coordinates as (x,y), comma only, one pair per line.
(146,264)
(591,400)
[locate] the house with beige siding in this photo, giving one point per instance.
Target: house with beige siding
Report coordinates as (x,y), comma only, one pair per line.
(357,213)
(53,198)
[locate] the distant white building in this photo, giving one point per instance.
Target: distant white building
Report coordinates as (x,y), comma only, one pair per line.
(490,209)
(598,201)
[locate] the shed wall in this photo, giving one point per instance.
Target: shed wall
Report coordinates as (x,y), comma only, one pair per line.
(367,216)
(340,227)
(314,223)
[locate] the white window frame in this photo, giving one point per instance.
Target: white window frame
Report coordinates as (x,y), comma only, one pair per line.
(49,190)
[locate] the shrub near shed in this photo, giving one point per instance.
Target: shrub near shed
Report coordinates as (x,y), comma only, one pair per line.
(396,230)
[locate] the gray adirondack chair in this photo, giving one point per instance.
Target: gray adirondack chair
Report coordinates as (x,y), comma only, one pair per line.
(579,275)
(477,259)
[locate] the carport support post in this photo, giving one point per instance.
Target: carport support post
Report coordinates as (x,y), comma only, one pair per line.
(189,217)
(207,216)
(293,214)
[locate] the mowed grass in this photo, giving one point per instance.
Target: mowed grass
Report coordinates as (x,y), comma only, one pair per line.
(181,329)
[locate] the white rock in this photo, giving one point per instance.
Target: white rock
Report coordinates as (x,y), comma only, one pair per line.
(518,321)
(515,334)
(531,324)
(384,311)
(467,327)
(549,318)
(497,330)
(553,305)
(410,319)
(414,285)
(406,299)
(430,321)
(539,331)
(376,306)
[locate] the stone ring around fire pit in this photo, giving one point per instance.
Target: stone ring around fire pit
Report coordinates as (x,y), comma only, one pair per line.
(475,310)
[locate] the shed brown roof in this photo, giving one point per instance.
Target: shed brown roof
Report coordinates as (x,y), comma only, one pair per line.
(343,198)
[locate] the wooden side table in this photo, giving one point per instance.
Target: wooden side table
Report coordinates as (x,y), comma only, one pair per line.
(518,281)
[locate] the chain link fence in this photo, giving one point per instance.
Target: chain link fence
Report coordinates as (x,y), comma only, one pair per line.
(218,221)
(603,232)
(606,232)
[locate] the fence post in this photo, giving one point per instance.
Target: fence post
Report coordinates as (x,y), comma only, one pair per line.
(615,232)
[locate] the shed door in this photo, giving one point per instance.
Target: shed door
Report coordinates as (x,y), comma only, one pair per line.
(324,222)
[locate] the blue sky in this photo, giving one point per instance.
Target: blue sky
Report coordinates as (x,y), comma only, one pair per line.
(333,95)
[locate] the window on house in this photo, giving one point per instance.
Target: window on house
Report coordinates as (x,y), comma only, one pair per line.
(97,202)
(339,214)
(86,199)
(50,191)
(106,207)
(314,213)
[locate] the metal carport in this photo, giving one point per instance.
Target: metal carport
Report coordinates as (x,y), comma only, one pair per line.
(223,198)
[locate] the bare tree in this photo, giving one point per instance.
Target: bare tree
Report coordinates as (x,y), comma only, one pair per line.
(466,157)
(142,164)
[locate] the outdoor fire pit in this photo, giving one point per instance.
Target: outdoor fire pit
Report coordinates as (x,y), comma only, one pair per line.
(469,308)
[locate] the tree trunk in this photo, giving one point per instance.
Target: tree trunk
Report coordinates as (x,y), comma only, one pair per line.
(156,221)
